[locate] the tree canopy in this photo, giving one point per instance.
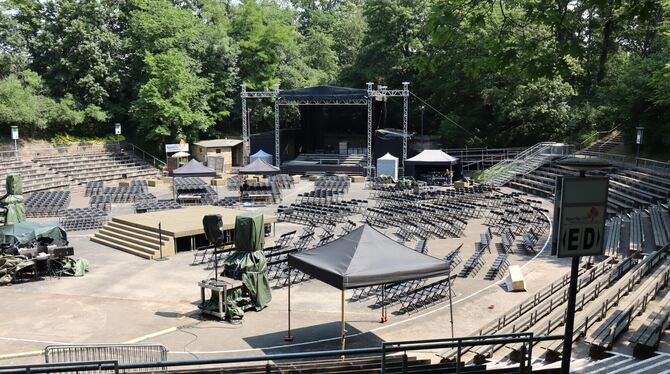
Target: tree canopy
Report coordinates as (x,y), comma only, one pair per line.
(497,72)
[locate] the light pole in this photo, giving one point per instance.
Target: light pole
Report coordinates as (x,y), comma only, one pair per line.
(423,109)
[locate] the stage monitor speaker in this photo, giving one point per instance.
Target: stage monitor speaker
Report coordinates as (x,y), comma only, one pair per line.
(213,226)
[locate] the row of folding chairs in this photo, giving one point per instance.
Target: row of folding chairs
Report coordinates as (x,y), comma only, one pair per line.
(102,202)
(93,188)
(144,206)
(283,181)
(424,296)
(454,257)
(498,267)
(83,219)
(47,203)
(473,264)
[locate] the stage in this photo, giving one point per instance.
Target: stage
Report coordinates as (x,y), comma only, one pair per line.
(180,230)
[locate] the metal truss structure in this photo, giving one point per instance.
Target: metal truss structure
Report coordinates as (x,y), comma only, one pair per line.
(380,94)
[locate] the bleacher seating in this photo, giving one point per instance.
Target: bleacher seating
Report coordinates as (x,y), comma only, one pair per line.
(96,166)
(35,177)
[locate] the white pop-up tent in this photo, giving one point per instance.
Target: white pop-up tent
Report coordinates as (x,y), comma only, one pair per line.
(261,154)
(388,165)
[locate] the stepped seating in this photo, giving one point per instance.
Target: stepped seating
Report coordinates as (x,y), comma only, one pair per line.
(96,166)
(612,236)
(611,328)
(135,240)
(598,298)
(605,144)
(636,231)
(647,337)
(660,226)
(35,178)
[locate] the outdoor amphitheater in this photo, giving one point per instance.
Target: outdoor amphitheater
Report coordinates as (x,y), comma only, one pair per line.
(406,261)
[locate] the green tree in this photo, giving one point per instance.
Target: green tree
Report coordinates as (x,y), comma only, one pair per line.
(172,104)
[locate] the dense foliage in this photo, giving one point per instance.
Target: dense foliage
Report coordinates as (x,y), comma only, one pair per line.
(499,72)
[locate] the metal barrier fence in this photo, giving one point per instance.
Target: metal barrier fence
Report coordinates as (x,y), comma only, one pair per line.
(121,353)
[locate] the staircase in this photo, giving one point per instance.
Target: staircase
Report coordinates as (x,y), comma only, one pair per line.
(606,143)
(524,163)
(129,238)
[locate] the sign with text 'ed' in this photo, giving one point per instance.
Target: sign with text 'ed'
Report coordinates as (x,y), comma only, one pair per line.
(583,209)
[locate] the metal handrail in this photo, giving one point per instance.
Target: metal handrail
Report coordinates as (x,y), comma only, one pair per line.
(156,162)
(385,348)
(62,367)
(631,161)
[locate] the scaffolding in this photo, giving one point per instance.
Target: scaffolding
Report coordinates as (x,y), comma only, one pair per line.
(379,94)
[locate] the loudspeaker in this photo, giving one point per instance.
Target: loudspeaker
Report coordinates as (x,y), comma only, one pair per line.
(213,226)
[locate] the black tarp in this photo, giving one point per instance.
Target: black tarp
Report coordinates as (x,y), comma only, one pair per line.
(194,169)
(259,166)
(366,257)
(323,93)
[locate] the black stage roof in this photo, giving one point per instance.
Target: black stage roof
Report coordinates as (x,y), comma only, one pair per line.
(324,93)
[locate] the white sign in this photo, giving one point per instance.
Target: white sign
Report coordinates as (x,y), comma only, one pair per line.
(15,132)
(172,148)
(117,128)
(581,230)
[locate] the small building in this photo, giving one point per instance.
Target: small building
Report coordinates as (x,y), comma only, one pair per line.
(228,149)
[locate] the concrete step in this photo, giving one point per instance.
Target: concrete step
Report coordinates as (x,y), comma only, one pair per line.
(136,232)
(130,237)
(147,248)
(123,248)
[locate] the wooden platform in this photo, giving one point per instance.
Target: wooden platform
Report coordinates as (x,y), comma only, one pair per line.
(185,221)
(138,233)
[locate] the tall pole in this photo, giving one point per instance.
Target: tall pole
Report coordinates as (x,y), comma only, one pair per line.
(289,337)
(405,107)
(277,136)
(369,140)
(423,109)
(451,307)
(344,330)
(570,314)
(245,129)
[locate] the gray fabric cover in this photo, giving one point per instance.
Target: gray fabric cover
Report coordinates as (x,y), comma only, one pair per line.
(259,166)
(366,257)
(194,169)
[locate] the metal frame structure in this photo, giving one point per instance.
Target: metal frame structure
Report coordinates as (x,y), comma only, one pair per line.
(380,94)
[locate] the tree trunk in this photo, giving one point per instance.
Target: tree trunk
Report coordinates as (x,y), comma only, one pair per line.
(605,47)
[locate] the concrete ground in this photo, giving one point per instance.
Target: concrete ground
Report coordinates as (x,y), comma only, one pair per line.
(127,299)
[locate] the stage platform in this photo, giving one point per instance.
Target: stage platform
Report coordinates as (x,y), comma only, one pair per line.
(181,229)
(312,163)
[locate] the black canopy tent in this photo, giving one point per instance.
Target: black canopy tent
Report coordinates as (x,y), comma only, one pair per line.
(259,166)
(192,169)
(364,257)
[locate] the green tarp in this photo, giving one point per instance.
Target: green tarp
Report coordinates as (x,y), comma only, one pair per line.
(248,263)
(24,233)
(12,202)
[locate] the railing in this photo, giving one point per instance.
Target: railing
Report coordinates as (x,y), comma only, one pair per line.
(524,162)
(623,160)
(485,154)
(123,353)
(381,352)
(141,153)
(591,139)
(9,155)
